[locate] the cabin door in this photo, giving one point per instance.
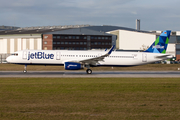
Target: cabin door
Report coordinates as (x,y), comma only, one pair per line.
(144,57)
(58,55)
(24,55)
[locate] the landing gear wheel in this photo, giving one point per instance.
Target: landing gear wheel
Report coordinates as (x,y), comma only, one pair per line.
(25,69)
(88,71)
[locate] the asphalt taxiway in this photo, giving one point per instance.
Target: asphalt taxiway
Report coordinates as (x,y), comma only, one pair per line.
(80,74)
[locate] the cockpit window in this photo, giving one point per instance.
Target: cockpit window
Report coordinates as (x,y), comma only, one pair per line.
(15,54)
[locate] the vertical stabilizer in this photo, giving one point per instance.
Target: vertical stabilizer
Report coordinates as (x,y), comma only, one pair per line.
(161,43)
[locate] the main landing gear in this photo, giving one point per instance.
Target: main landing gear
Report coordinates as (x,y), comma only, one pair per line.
(25,69)
(88,71)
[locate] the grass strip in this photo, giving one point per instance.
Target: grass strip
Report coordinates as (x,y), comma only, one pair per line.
(89,98)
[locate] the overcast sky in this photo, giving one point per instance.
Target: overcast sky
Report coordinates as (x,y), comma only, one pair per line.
(154,14)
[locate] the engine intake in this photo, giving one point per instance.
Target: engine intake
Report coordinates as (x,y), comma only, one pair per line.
(73,66)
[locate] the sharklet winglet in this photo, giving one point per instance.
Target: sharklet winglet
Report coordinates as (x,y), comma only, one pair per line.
(110,51)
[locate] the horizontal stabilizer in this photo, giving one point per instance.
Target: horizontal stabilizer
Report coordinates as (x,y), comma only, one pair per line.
(164,56)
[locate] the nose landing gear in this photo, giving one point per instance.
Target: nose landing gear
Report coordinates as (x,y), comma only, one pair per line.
(25,69)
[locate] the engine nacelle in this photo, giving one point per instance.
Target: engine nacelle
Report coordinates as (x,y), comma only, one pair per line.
(73,66)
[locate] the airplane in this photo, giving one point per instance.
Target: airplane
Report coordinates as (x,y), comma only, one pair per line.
(76,60)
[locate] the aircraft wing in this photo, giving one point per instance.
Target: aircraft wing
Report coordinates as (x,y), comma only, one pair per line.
(93,61)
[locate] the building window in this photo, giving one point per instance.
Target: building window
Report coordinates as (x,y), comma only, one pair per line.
(77,43)
(99,43)
(178,39)
(58,37)
(70,37)
(85,43)
(54,43)
(88,38)
(54,37)
(106,38)
(66,43)
(77,37)
(62,43)
(99,38)
(69,43)
(81,37)
(45,48)
(85,38)
(62,37)
(74,43)
(54,48)
(73,37)
(66,37)
(45,42)
(58,42)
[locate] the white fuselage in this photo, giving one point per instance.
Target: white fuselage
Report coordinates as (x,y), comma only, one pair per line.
(59,57)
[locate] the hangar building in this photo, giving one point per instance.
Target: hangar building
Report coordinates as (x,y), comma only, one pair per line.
(8,28)
(140,41)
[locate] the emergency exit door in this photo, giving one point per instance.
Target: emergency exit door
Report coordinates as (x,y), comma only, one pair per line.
(58,55)
(144,57)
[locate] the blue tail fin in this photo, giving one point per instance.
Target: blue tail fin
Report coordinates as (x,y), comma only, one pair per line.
(161,43)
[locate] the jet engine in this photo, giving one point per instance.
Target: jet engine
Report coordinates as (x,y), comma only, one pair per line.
(73,66)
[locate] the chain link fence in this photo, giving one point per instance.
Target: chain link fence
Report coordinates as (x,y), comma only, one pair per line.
(3,58)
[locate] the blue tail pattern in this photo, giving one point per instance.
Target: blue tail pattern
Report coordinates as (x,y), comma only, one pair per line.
(161,43)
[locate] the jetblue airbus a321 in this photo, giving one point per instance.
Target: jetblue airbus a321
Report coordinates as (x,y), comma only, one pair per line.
(76,60)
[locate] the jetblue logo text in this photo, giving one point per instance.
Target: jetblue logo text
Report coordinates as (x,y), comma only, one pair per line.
(72,66)
(158,46)
(40,55)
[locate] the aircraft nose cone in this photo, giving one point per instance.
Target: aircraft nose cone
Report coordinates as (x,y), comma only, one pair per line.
(8,59)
